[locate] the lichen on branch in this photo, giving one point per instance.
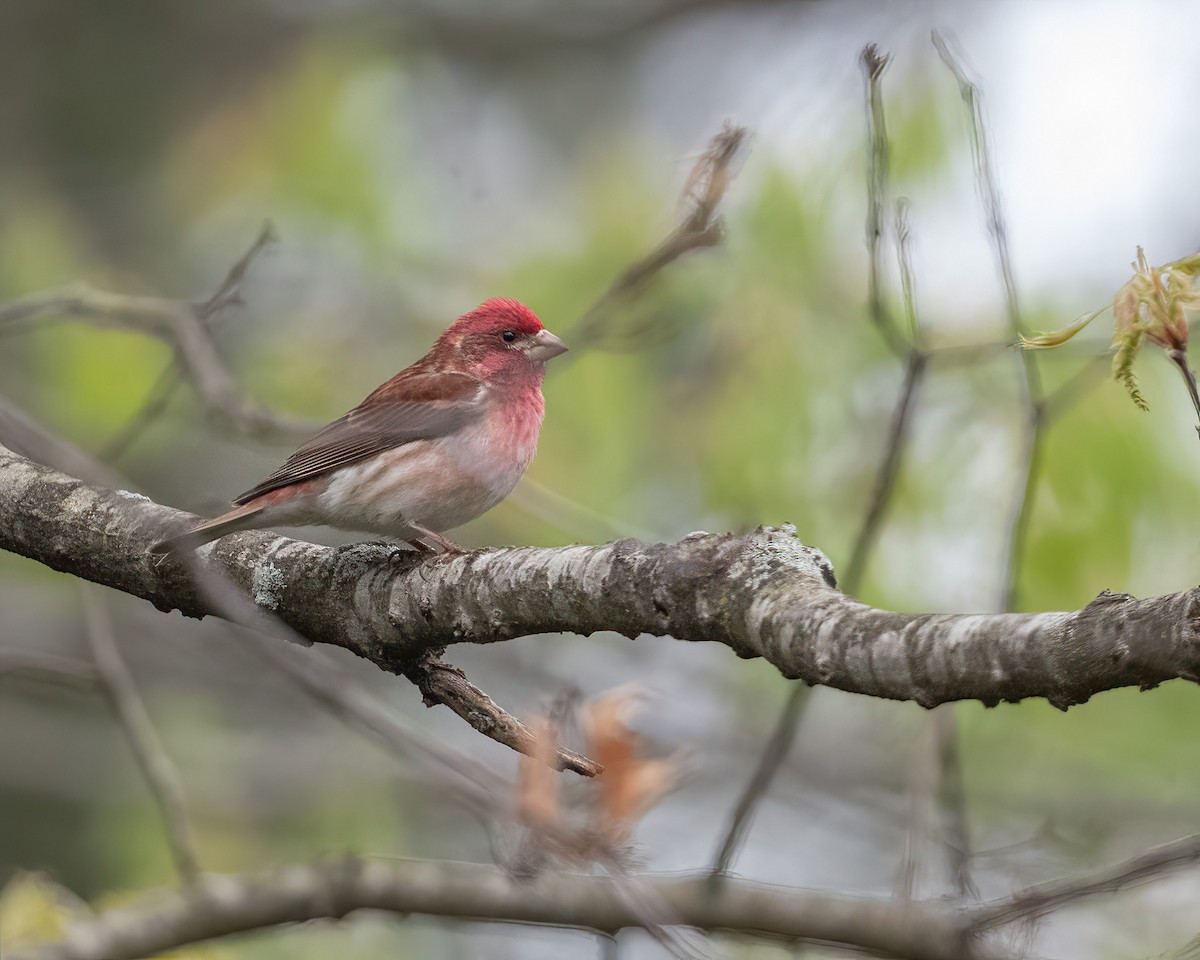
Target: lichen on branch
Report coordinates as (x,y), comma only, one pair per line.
(763,594)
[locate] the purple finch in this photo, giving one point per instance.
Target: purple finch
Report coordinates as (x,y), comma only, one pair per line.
(438,444)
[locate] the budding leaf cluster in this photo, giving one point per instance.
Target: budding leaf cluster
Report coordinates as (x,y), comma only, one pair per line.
(1152,305)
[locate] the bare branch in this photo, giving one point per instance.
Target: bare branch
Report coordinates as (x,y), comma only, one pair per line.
(703,192)
(957,843)
(159,772)
(152,408)
(179,323)
(1035,397)
(874,63)
(222,905)
(936,787)
(779,745)
(150,315)
(460,777)
(958,355)
(22,434)
(763,594)
(164,387)
(445,684)
(439,684)
(889,469)
(922,785)
(230,291)
(438,681)
(1047,897)
(1086,379)
(1179,358)
(48,668)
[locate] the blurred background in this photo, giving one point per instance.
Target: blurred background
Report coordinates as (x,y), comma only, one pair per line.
(416,158)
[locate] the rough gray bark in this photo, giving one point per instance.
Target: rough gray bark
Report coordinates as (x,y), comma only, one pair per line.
(761,594)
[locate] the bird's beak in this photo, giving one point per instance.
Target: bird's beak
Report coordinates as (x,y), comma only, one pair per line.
(545,346)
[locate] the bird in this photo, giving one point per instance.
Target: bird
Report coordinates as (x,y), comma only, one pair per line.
(440,443)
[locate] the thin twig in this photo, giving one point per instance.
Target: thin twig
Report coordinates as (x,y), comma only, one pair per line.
(438,681)
(48,668)
(168,381)
(946,768)
(1035,420)
(916,358)
(445,684)
(953,801)
(703,191)
(951,356)
(779,744)
(908,277)
(780,741)
(936,785)
(1035,401)
(151,409)
(179,323)
(22,433)
(230,290)
(1044,898)
(150,315)
(460,695)
(1019,525)
(923,777)
(1079,385)
(577,520)
(885,477)
(159,772)
(457,775)
(874,63)
(610,946)
(1180,359)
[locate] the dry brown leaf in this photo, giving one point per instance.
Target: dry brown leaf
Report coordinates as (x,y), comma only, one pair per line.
(537,779)
(629,785)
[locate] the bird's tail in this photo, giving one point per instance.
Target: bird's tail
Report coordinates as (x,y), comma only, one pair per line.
(239,518)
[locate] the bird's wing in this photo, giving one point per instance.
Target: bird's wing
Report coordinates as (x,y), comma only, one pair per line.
(413,405)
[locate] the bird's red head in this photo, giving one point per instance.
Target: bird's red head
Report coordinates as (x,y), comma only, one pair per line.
(499,340)
(498,314)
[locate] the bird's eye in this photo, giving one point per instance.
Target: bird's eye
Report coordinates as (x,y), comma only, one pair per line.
(508,336)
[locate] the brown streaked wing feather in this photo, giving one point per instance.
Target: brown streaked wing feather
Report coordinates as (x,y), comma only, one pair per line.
(413,405)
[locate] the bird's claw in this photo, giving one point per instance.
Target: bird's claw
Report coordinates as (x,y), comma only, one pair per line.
(433,542)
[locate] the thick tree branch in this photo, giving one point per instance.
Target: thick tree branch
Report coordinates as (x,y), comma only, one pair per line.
(763,594)
(224,905)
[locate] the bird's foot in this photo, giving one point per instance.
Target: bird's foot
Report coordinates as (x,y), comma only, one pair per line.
(432,541)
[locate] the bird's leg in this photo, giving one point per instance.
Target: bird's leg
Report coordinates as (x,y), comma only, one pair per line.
(435,538)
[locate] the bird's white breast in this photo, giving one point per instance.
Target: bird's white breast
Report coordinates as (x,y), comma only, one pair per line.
(439,483)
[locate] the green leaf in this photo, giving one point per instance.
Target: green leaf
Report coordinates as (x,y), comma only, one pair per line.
(1059,337)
